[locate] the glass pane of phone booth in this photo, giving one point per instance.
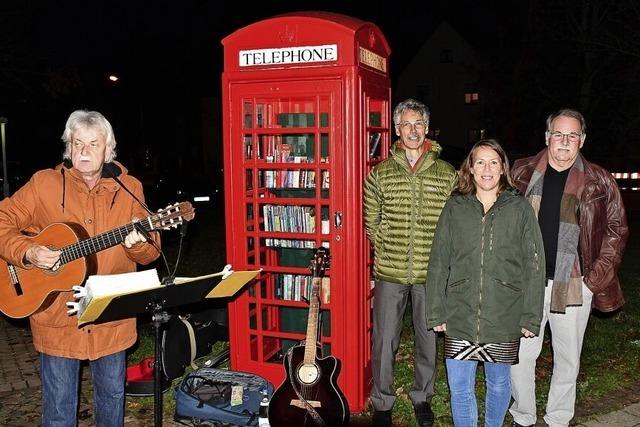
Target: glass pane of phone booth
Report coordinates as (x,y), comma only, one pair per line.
(286,145)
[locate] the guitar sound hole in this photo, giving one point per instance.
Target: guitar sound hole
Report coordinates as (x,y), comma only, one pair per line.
(308,373)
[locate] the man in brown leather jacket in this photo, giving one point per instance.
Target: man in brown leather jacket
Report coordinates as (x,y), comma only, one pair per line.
(584,229)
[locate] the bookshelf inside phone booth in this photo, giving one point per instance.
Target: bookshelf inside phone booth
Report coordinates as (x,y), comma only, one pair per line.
(299,143)
(290,139)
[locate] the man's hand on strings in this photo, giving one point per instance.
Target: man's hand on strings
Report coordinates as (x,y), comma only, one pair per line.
(134,237)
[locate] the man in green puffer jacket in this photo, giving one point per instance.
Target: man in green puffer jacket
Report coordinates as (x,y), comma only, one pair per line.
(403,198)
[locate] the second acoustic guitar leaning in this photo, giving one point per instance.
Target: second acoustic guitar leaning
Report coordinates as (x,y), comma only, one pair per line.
(309,395)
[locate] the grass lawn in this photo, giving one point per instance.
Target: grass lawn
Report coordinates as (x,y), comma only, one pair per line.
(610,358)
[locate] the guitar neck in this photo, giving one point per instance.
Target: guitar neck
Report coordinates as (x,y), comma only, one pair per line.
(100,242)
(312,322)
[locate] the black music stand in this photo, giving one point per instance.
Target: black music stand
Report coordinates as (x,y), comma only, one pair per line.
(156,300)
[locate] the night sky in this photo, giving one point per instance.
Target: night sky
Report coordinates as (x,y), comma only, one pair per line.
(55,56)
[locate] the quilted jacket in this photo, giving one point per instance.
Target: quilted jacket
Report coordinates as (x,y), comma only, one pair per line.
(401,210)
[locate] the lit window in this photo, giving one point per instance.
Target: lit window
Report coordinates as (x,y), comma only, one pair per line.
(434,133)
(471,97)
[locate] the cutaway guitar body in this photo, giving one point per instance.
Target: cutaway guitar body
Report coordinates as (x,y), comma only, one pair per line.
(309,395)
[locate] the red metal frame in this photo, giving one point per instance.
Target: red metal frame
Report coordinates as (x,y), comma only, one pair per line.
(338,105)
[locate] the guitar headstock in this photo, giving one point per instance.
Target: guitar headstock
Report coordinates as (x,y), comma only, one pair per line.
(320,262)
(172,216)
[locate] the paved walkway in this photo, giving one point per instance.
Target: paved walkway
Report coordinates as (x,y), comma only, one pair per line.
(20,392)
(20,389)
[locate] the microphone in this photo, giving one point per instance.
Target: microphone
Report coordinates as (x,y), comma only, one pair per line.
(111,170)
(183,230)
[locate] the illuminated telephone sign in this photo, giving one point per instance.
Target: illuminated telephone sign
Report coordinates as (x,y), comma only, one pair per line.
(288,55)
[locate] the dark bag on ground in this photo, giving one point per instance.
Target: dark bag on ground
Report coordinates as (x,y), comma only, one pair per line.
(185,338)
(188,337)
(220,396)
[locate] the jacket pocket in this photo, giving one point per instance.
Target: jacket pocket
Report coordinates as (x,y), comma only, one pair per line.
(458,283)
(507,285)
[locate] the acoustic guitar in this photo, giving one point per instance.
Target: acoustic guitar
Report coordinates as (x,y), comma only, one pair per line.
(309,395)
(25,291)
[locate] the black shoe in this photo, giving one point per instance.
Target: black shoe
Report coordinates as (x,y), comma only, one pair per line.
(515,424)
(424,414)
(381,419)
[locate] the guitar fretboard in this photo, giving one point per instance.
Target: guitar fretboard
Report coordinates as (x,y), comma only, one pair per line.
(312,322)
(100,242)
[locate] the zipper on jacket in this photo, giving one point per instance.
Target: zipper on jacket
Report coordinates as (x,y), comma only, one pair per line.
(414,210)
(481,275)
(491,234)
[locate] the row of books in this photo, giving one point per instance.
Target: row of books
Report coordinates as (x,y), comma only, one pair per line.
(289,243)
(289,218)
(296,287)
(294,178)
(295,148)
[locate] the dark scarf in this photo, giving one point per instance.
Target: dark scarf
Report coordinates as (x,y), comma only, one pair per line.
(567,280)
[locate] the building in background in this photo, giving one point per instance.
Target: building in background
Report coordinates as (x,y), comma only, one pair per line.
(444,74)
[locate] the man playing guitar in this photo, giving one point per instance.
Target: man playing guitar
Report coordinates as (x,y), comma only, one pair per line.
(83,193)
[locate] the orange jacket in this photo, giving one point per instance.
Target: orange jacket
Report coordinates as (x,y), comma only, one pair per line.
(61,195)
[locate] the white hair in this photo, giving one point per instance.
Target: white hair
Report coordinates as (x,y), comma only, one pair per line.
(90,120)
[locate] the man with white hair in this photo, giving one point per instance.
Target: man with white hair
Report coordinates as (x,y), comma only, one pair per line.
(81,191)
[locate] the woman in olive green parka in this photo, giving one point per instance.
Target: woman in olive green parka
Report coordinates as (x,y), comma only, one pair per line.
(485,285)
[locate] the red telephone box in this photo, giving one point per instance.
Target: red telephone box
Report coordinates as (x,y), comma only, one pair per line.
(306,105)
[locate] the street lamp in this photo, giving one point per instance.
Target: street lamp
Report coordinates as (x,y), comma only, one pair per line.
(5,184)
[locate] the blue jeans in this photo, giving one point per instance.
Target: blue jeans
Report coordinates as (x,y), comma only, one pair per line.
(462,379)
(60,384)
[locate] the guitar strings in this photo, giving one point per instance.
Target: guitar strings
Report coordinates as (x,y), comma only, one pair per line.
(95,244)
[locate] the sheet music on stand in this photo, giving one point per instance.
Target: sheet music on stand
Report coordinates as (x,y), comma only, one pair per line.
(121,296)
(118,296)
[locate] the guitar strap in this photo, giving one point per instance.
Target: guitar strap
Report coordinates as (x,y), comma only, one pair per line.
(192,340)
(310,409)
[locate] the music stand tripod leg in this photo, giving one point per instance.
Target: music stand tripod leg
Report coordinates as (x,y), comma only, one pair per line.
(159,317)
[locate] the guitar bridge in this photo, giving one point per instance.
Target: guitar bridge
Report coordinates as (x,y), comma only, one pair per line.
(300,404)
(14,280)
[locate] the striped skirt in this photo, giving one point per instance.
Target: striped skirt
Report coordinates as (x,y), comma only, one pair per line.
(459,349)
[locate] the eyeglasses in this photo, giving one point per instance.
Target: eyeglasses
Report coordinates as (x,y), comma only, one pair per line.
(559,136)
(417,125)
